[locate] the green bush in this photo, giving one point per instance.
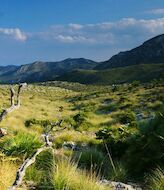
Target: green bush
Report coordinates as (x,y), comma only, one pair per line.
(146,147)
(80,122)
(21,144)
(43,123)
(127,117)
(116,137)
(41,171)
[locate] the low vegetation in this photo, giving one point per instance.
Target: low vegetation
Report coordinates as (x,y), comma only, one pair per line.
(112,132)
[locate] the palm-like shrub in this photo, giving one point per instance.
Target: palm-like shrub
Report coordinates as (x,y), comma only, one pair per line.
(21,144)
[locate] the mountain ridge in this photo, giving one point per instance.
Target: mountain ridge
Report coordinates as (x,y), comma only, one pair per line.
(150,52)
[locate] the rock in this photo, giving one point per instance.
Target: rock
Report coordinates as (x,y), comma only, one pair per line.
(69,145)
(75,147)
(3,132)
(139,116)
(119,185)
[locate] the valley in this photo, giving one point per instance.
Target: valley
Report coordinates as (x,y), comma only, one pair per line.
(126,119)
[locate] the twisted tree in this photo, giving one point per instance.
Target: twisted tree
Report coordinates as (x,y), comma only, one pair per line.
(13,106)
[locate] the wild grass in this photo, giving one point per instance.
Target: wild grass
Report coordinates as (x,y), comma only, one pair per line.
(67,176)
(22,144)
(41,171)
(43,102)
(7,173)
(156,180)
(75,136)
(92,159)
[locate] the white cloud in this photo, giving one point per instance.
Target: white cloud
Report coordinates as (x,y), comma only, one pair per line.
(155,11)
(76,26)
(107,32)
(15,33)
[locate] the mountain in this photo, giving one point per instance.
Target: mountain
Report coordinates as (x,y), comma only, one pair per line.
(143,63)
(141,72)
(5,70)
(42,71)
(151,51)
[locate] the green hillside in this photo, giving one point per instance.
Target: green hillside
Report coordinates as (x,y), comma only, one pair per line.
(144,73)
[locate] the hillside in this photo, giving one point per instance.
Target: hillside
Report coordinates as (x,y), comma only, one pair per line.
(42,71)
(151,51)
(143,63)
(144,73)
(129,120)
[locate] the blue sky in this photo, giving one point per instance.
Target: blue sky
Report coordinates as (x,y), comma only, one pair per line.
(52,30)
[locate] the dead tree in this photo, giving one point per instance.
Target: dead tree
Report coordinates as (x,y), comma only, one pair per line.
(13,106)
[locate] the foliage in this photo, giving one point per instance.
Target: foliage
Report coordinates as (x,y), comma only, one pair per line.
(68,177)
(119,174)
(91,159)
(156,180)
(108,108)
(21,144)
(127,117)
(146,147)
(41,171)
(116,137)
(31,122)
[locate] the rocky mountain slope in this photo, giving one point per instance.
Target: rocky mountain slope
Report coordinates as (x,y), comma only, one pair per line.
(151,51)
(43,71)
(145,62)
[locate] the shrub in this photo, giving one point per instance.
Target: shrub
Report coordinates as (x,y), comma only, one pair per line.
(80,122)
(41,171)
(21,144)
(43,123)
(127,117)
(79,118)
(146,147)
(116,137)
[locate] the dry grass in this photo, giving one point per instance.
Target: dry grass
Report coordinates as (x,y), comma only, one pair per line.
(7,174)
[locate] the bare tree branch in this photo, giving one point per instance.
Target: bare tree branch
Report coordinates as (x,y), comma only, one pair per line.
(13,106)
(29,161)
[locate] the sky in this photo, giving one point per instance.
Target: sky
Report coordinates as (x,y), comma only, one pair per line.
(53,30)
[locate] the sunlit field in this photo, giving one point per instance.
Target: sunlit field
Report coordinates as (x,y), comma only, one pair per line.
(127,118)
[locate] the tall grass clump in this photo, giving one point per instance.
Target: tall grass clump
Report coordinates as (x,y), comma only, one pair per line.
(120,173)
(91,159)
(156,180)
(68,177)
(22,144)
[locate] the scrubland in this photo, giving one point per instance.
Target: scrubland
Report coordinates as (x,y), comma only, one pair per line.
(117,132)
